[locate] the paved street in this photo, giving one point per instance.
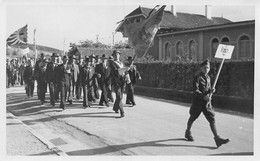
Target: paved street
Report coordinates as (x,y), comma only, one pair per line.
(153,127)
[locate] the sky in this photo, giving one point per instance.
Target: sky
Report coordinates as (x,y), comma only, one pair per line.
(57,23)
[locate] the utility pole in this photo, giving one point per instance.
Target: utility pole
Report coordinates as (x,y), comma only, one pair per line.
(34,42)
(97,38)
(113,41)
(64,47)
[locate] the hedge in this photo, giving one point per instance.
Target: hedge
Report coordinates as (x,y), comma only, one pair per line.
(236,78)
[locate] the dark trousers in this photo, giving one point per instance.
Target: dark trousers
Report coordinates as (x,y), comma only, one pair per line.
(103,98)
(29,88)
(95,88)
(56,91)
(130,94)
(64,90)
(69,94)
(41,89)
(73,87)
(21,82)
(118,102)
(85,95)
(52,92)
(109,93)
(78,90)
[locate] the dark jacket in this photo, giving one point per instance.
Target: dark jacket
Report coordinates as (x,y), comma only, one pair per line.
(51,72)
(62,75)
(201,87)
(134,74)
(104,72)
(88,76)
(116,78)
(28,74)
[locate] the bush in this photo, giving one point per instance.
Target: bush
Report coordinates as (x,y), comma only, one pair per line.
(236,77)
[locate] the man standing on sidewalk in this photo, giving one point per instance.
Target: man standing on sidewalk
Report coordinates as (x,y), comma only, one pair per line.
(63,78)
(202,103)
(118,73)
(28,79)
(103,76)
(134,76)
(51,78)
(40,69)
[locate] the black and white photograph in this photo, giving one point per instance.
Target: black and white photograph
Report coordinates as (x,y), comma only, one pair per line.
(130,80)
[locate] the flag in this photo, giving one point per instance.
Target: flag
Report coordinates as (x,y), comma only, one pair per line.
(19,37)
(141,35)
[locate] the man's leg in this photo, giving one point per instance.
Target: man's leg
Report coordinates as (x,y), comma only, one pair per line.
(194,114)
(210,116)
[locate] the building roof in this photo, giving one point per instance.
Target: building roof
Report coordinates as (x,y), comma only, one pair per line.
(212,27)
(180,21)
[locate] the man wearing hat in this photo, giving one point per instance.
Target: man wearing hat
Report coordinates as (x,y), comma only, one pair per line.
(39,75)
(87,77)
(103,76)
(117,73)
(94,91)
(63,79)
(202,103)
(51,77)
(109,87)
(28,79)
(74,75)
(134,76)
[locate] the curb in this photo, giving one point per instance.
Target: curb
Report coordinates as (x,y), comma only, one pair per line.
(46,142)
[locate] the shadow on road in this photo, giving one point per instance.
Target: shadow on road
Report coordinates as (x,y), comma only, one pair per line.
(115,148)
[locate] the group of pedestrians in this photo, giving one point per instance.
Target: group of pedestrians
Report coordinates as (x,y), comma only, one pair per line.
(69,78)
(14,71)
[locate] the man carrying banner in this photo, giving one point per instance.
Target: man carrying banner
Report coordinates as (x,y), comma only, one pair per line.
(118,73)
(202,103)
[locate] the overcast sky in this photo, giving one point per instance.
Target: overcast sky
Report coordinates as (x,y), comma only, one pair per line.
(56,22)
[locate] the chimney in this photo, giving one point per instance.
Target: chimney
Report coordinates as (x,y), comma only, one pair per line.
(208,11)
(173,10)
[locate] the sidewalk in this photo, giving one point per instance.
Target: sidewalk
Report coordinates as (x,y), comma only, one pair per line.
(21,142)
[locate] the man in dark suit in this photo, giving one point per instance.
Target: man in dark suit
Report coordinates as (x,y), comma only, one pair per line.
(134,76)
(94,92)
(117,74)
(103,76)
(29,79)
(21,72)
(63,78)
(87,77)
(40,70)
(51,77)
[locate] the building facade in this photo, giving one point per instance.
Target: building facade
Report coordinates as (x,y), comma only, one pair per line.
(195,37)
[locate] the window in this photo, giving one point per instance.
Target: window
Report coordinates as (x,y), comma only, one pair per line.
(225,40)
(179,49)
(244,46)
(192,50)
(167,51)
(214,46)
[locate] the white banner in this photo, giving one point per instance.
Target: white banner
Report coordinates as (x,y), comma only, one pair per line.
(224,51)
(25,51)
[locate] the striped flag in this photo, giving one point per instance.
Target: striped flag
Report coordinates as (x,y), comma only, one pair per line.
(141,35)
(19,37)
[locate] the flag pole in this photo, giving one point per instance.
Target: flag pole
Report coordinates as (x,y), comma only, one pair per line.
(34,42)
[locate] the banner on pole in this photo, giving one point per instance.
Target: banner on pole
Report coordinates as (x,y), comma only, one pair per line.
(224,51)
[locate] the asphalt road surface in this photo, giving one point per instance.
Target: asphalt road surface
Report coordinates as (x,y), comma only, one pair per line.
(153,127)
